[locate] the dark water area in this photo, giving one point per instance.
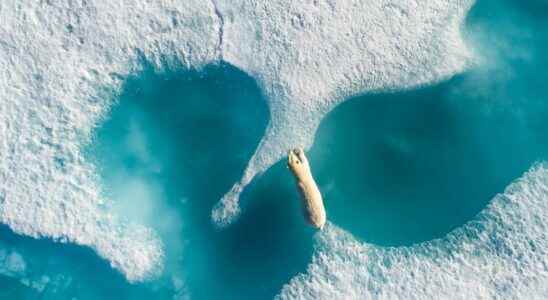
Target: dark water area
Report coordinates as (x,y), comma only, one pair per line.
(395,168)
(405,167)
(170,148)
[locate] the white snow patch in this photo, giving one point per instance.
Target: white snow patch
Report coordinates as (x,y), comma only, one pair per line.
(61,63)
(309,56)
(502,254)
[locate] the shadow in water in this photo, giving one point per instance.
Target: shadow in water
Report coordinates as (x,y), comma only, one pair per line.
(269,244)
(170,148)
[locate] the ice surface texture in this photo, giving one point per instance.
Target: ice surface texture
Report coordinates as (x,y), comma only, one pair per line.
(63,60)
(57,59)
(309,56)
(502,253)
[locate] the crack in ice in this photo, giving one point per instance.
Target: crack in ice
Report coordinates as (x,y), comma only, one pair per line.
(497,254)
(310,56)
(57,82)
(306,57)
(221,28)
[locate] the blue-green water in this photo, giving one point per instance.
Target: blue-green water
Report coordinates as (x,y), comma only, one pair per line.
(401,168)
(423,162)
(178,140)
(395,168)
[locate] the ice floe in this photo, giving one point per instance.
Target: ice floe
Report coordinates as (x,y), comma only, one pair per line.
(502,253)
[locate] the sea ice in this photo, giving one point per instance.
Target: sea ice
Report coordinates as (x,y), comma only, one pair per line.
(503,251)
(309,56)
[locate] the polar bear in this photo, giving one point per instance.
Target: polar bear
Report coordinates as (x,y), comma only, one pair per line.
(314,210)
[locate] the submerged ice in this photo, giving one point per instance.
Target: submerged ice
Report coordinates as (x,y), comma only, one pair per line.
(499,254)
(65,67)
(309,57)
(62,61)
